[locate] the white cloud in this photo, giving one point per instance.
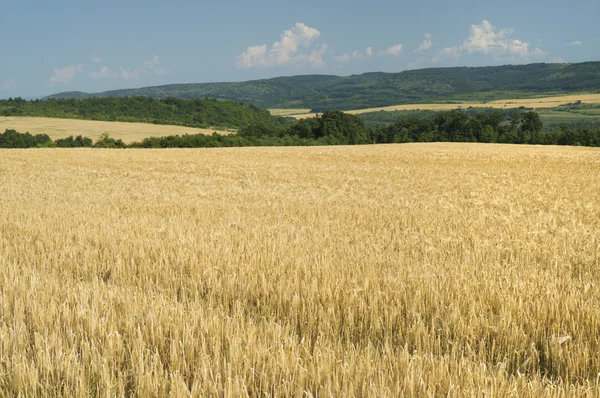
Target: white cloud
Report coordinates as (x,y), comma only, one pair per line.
(149,68)
(394,50)
(356,55)
(343,59)
(487,39)
(152,67)
(10,84)
(424,46)
(65,75)
(574,43)
(286,51)
(103,73)
(452,52)
(129,74)
(360,55)
(68,73)
(254,56)
(316,57)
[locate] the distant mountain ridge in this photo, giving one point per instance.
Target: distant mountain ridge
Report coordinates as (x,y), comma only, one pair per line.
(375,89)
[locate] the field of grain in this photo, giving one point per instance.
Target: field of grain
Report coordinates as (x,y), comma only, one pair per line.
(536,103)
(288,112)
(390,270)
(128,132)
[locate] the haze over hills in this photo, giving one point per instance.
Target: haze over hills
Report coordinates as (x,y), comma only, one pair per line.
(320,92)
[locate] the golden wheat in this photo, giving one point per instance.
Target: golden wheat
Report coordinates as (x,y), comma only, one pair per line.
(128,132)
(397,270)
(288,112)
(536,103)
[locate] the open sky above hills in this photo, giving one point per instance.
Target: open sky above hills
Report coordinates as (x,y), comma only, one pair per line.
(66,45)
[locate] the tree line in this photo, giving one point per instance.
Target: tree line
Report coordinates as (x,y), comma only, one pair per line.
(14,140)
(200,113)
(338,128)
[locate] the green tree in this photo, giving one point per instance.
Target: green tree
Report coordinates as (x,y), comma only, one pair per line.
(488,134)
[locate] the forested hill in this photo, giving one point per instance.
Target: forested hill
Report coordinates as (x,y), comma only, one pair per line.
(320,92)
(202,113)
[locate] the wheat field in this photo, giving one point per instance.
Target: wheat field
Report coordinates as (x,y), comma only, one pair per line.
(288,112)
(536,103)
(128,132)
(386,270)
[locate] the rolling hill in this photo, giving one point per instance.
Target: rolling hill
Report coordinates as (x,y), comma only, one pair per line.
(378,89)
(198,113)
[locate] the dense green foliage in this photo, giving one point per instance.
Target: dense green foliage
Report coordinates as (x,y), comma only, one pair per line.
(202,113)
(331,128)
(388,118)
(77,142)
(321,92)
(488,127)
(573,115)
(338,128)
(14,139)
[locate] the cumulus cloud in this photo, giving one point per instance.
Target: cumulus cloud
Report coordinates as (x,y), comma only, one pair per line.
(10,84)
(129,74)
(343,59)
(65,75)
(394,50)
(103,73)
(367,53)
(253,56)
(428,42)
(575,43)
(448,52)
(361,55)
(487,39)
(97,71)
(150,67)
(291,49)
(316,56)
(356,55)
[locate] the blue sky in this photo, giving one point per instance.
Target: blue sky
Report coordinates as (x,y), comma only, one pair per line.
(64,45)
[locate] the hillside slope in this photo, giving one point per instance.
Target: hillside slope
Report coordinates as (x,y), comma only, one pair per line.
(320,92)
(200,113)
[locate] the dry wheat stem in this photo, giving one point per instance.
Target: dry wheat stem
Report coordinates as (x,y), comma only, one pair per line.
(391,270)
